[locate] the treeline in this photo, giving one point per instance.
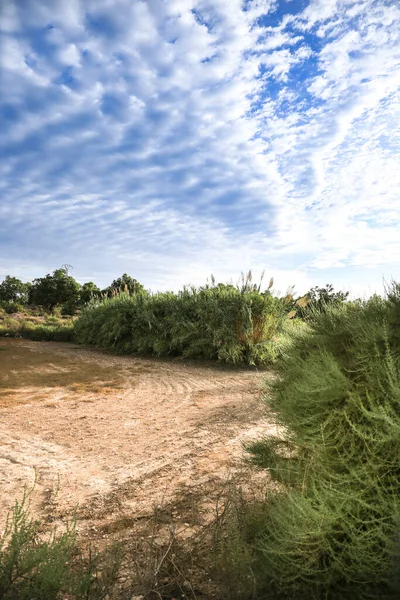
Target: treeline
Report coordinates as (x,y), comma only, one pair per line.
(61,290)
(238,324)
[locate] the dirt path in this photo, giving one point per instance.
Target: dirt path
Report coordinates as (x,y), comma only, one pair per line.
(117,433)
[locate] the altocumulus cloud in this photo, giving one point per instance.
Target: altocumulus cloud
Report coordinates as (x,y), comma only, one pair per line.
(175,138)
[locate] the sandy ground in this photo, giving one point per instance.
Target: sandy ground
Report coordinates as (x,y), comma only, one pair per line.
(117,435)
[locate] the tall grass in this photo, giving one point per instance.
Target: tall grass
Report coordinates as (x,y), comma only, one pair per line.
(44,327)
(215,322)
(332,531)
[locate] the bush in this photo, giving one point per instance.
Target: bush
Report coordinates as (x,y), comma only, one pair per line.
(332,529)
(316,300)
(88,291)
(214,322)
(34,567)
(234,532)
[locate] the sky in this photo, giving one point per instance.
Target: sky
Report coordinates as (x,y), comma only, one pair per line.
(175,139)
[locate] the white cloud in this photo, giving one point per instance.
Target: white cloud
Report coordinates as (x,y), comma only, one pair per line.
(70,55)
(9,21)
(174,142)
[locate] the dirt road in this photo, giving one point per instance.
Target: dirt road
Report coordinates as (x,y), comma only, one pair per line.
(109,433)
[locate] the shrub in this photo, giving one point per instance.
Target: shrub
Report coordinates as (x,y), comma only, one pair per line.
(316,300)
(33,566)
(330,532)
(125,284)
(49,333)
(9,327)
(233,558)
(88,292)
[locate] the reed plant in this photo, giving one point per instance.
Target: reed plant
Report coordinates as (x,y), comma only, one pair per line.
(218,322)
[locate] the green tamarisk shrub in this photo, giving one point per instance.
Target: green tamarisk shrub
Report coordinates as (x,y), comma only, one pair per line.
(332,531)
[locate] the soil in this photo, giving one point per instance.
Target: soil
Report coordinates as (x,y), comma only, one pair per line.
(120,436)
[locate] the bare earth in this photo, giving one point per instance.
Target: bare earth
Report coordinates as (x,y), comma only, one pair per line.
(117,435)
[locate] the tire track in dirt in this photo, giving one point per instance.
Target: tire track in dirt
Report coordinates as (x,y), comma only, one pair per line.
(167,424)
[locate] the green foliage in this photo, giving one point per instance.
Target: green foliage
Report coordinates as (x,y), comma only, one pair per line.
(234,531)
(33,566)
(12,307)
(58,289)
(213,321)
(13,291)
(125,284)
(49,333)
(318,299)
(88,292)
(332,530)
(326,296)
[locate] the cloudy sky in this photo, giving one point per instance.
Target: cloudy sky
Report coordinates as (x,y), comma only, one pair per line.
(172,139)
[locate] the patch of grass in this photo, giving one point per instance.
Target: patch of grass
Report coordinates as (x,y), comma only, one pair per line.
(35,326)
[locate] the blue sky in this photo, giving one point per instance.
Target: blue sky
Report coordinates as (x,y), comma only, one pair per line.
(172,139)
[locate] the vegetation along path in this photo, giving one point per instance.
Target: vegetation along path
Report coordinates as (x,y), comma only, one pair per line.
(117,435)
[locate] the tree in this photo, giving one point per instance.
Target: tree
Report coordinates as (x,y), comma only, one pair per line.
(88,291)
(125,284)
(58,289)
(14,290)
(323,296)
(318,298)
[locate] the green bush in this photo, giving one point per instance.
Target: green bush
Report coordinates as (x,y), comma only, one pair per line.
(38,567)
(126,284)
(332,529)
(214,322)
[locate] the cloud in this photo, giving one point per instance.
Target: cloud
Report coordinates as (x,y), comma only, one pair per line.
(172,139)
